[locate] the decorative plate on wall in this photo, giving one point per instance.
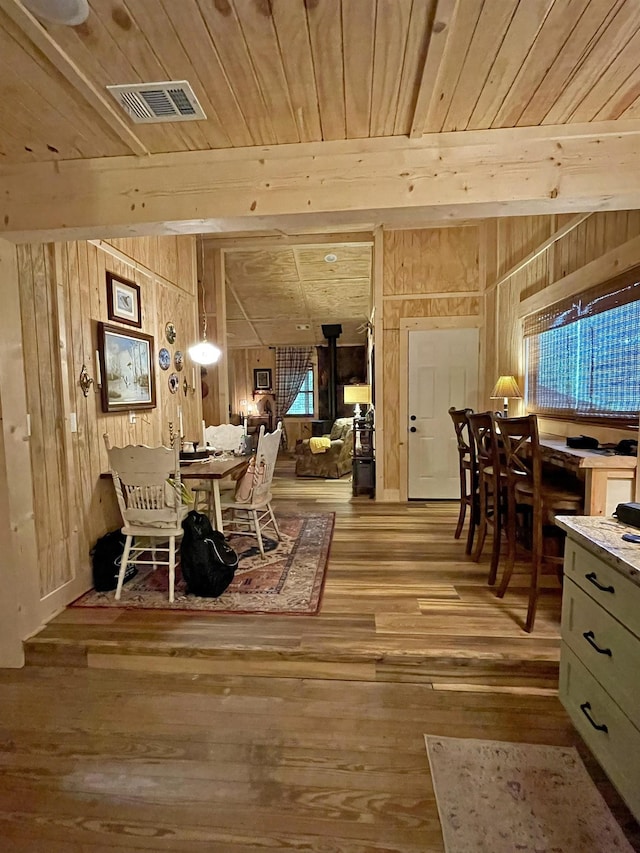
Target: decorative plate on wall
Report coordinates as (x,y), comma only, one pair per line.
(170,332)
(178,360)
(174,382)
(164,358)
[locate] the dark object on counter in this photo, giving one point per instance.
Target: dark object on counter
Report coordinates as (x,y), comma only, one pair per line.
(582,442)
(627,447)
(628,513)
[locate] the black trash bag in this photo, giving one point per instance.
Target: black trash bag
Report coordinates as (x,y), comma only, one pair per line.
(208,563)
(106,557)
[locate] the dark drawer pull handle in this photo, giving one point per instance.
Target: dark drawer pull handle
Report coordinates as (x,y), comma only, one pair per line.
(585,708)
(592,577)
(590,637)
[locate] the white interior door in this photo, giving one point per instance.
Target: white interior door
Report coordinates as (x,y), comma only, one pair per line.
(443,372)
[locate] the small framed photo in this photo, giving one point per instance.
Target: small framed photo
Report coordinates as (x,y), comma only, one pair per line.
(127,369)
(123,300)
(262,379)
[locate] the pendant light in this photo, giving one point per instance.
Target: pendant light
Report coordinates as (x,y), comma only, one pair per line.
(204,352)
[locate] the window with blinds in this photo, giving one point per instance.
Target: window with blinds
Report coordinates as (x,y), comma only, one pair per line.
(583,354)
(303,403)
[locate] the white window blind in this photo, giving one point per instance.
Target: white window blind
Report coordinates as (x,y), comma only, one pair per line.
(583,354)
(303,403)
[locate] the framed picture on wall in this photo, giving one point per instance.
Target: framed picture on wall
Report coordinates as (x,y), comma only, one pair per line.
(262,379)
(123,300)
(127,369)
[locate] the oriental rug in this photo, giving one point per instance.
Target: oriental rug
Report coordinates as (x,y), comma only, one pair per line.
(289,581)
(505,797)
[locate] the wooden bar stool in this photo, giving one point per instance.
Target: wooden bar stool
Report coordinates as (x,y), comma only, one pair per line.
(533,499)
(468,468)
(492,484)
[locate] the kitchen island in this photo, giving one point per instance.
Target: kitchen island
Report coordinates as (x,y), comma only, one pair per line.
(600,652)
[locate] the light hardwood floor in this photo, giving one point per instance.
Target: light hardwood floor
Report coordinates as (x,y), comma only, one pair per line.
(174,732)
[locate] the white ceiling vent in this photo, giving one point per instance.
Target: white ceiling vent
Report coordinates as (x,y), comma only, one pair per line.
(154,102)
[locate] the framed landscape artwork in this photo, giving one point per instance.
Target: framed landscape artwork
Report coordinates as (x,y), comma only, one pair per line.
(123,300)
(127,368)
(262,379)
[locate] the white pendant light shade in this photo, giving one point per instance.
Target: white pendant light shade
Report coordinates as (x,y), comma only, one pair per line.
(204,353)
(69,12)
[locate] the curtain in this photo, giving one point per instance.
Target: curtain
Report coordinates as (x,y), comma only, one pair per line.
(292,364)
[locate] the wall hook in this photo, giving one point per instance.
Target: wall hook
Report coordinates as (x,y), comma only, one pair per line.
(85,380)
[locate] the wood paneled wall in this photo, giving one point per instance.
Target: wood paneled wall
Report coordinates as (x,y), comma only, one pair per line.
(19,602)
(432,274)
(242,363)
(598,247)
(213,307)
(63,296)
(427,274)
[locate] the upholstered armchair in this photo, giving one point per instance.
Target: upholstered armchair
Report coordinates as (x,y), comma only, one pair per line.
(332,462)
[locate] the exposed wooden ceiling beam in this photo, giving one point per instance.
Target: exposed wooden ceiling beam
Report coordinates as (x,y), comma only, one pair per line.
(356,238)
(442,25)
(243,311)
(100,101)
(569,168)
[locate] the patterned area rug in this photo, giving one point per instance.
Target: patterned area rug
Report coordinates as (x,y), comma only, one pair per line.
(506,797)
(289,580)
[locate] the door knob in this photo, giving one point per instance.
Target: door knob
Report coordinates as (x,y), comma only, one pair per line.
(413,429)
(412,418)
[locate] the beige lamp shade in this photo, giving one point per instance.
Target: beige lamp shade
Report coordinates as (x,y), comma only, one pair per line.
(506,386)
(357,394)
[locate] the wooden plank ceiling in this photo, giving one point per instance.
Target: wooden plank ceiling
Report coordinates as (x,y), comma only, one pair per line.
(269,72)
(270,292)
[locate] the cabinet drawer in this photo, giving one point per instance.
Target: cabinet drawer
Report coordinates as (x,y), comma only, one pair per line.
(585,626)
(618,747)
(611,589)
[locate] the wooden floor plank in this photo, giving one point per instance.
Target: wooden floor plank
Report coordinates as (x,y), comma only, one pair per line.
(395,575)
(160,731)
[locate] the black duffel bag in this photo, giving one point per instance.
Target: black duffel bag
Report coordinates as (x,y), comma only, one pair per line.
(207,561)
(106,557)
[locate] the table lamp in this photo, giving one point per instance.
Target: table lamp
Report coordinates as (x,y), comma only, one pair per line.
(356,394)
(507,388)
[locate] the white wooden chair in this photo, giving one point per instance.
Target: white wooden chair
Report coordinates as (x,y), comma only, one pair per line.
(254,515)
(225,437)
(149,491)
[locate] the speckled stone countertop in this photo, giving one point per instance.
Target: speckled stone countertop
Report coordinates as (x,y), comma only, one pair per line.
(603,537)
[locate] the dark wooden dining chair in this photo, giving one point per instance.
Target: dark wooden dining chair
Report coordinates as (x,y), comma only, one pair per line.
(491,487)
(468,468)
(533,502)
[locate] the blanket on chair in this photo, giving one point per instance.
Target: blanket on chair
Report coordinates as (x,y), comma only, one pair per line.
(319,444)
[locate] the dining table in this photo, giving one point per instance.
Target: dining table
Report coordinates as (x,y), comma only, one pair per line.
(214,469)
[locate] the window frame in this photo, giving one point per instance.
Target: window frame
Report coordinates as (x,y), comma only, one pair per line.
(313,393)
